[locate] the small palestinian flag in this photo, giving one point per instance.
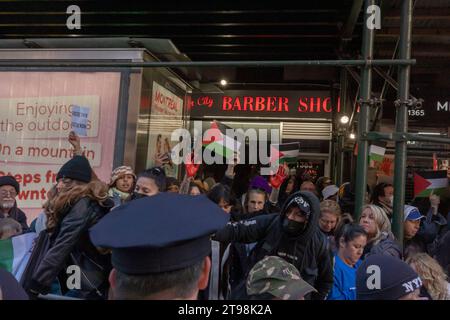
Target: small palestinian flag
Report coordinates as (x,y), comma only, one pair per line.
(376,151)
(217,141)
(427,181)
(285,152)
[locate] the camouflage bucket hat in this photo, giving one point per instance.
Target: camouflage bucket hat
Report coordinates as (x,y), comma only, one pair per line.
(279,278)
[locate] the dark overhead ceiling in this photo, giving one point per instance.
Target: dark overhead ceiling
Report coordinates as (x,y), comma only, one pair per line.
(251,30)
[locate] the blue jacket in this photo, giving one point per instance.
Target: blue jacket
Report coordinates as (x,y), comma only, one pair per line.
(344,284)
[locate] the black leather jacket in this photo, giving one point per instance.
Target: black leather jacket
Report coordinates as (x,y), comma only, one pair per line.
(70,245)
(309,252)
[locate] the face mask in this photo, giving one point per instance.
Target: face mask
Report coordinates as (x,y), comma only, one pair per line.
(293,228)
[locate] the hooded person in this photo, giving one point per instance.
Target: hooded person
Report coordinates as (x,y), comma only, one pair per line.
(293,235)
(9,190)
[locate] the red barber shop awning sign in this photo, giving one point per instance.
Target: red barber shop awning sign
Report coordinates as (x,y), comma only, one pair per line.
(283,104)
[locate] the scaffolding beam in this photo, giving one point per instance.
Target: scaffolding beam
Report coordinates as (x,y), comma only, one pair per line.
(363,119)
(51,63)
(401,120)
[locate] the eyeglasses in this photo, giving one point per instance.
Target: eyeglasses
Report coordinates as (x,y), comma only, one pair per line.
(5,193)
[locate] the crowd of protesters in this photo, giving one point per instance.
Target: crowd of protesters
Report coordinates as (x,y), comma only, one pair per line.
(288,236)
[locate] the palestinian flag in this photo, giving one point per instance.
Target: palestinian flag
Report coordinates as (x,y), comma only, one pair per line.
(216,140)
(427,181)
(285,152)
(376,151)
(15,253)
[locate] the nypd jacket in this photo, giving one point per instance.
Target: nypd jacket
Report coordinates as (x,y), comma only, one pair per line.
(309,251)
(70,244)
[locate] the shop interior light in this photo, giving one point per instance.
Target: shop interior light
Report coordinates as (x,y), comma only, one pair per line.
(344,119)
(431,133)
(352,136)
(223,82)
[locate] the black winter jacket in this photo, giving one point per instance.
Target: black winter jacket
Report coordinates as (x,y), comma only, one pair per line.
(70,245)
(18,215)
(309,251)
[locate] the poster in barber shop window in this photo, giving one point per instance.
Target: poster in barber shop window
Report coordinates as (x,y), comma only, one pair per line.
(166,116)
(37,112)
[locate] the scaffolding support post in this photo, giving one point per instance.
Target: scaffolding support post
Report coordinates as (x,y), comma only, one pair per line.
(401,120)
(340,143)
(363,118)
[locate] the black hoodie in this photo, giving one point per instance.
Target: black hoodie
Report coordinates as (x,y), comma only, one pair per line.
(308,251)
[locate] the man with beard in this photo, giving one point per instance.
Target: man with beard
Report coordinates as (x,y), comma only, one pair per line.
(9,189)
(293,235)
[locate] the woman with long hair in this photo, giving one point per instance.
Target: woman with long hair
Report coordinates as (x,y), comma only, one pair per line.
(379,235)
(433,277)
(79,203)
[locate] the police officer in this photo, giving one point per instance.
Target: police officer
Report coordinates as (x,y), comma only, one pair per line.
(160,246)
(293,235)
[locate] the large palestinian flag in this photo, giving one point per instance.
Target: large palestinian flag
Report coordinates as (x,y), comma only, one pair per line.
(216,140)
(427,181)
(285,152)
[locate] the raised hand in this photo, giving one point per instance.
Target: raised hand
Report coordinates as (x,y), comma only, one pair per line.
(191,167)
(74,140)
(160,159)
(277,179)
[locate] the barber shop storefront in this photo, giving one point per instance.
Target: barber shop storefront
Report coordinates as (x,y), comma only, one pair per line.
(304,117)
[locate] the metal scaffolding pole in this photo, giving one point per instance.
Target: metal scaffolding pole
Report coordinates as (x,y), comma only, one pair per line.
(51,63)
(401,121)
(363,119)
(374,135)
(339,155)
